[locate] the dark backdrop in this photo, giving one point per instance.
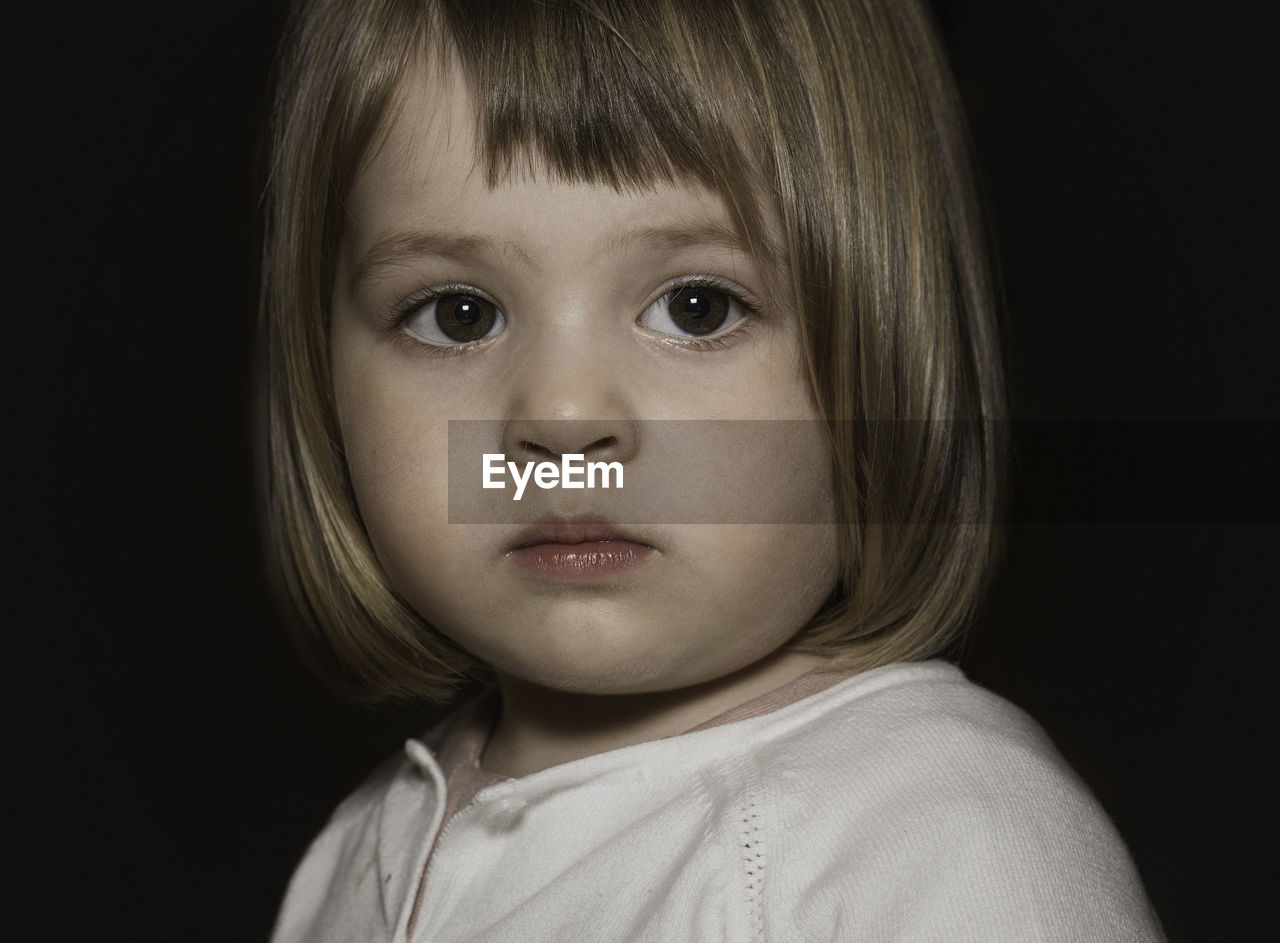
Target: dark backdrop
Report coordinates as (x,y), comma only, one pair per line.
(167,759)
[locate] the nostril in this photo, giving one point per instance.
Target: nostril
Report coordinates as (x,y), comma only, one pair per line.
(537,448)
(601,443)
(549,439)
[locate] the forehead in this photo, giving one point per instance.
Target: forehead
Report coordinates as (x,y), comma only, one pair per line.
(428,171)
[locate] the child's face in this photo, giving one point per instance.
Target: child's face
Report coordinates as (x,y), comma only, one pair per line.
(558,305)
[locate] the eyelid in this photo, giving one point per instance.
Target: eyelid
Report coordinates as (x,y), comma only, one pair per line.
(743,296)
(720,341)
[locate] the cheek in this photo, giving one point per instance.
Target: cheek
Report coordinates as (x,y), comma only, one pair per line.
(774,578)
(396,449)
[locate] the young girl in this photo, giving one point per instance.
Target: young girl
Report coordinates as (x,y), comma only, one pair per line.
(729,249)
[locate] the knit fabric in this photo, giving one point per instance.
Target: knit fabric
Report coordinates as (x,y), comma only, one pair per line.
(462,737)
(903,803)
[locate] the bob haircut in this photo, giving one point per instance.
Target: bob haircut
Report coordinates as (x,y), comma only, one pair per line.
(841,114)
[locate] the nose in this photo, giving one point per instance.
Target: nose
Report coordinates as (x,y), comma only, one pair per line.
(570,395)
(605,440)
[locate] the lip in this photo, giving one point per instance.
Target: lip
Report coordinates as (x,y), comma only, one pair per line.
(578,550)
(571,533)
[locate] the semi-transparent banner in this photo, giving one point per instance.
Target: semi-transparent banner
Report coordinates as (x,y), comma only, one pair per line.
(780,471)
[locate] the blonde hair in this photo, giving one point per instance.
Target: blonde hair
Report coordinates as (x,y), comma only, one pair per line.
(841,113)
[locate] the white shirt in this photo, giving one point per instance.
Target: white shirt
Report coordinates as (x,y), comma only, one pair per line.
(904,803)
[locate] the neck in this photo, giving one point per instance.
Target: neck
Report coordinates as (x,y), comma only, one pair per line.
(539,727)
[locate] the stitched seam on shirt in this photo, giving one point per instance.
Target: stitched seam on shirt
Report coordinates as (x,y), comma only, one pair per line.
(752,849)
(750,820)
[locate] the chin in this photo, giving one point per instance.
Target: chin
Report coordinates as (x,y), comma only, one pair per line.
(597,660)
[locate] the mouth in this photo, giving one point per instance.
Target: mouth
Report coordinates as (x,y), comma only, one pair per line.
(573,550)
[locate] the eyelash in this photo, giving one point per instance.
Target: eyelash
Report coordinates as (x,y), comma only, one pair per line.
(401,312)
(751,307)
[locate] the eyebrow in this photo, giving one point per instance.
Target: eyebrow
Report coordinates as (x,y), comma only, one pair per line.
(672,238)
(398,248)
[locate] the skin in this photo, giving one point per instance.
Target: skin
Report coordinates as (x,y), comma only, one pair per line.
(701,624)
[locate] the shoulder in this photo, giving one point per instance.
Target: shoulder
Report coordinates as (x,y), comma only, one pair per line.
(913,801)
(902,723)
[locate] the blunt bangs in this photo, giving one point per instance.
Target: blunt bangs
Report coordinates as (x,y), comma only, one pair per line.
(623,94)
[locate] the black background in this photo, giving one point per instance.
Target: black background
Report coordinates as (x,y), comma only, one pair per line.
(167,759)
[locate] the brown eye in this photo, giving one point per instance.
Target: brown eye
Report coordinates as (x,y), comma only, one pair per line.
(465,317)
(698,310)
(455,318)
